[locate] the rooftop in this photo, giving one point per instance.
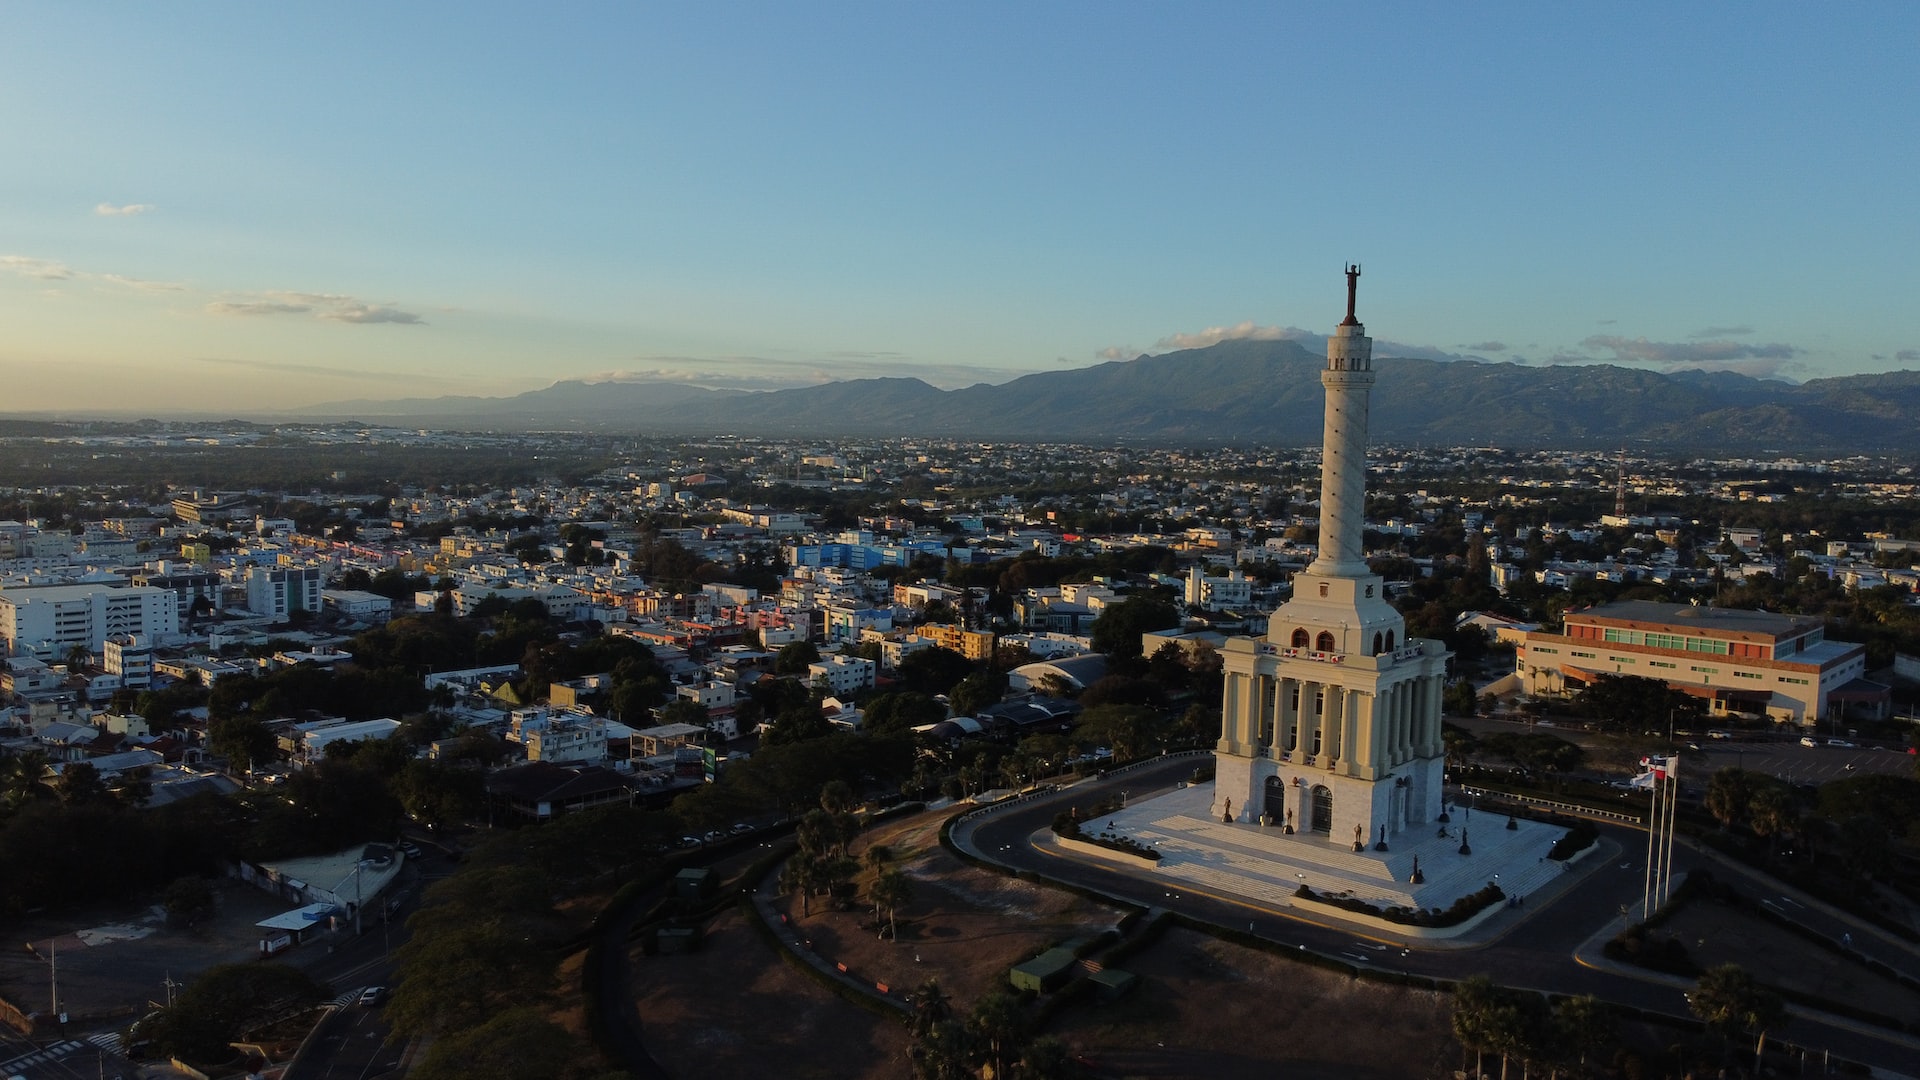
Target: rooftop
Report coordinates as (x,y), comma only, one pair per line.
(1719,622)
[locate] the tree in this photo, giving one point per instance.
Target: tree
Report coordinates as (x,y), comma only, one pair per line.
(79,783)
(188,900)
(1584,1025)
(891,890)
(997,1023)
(517,1044)
(978,691)
(242,740)
(1730,1001)
(227,1001)
(793,658)
(1117,632)
(1729,793)
(24,778)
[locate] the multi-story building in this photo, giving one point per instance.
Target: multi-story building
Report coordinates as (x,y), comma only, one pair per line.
(1742,663)
(842,674)
(50,620)
(972,644)
(129,656)
(282,590)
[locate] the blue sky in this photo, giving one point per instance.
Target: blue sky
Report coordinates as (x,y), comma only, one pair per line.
(248,206)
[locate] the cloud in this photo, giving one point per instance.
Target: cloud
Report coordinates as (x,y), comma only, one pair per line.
(1118,352)
(255,307)
(1907,356)
(51,270)
(1686,354)
(28,266)
(323,370)
(129,210)
(1487,346)
(775,373)
(371,313)
(141,284)
(332,307)
(1214,335)
(1721,331)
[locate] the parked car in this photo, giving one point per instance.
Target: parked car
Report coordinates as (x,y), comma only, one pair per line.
(740,828)
(410,849)
(1807,740)
(1841,743)
(373,995)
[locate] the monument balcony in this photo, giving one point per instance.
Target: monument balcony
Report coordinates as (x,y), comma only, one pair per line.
(1303,654)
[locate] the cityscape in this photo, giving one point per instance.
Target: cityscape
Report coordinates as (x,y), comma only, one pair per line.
(860,541)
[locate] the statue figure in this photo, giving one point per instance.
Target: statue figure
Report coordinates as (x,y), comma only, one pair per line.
(1382,845)
(1289,821)
(1226,816)
(1358,843)
(1353,286)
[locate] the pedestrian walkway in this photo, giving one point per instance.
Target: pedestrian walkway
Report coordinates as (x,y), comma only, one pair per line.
(1268,866)
(42,1056)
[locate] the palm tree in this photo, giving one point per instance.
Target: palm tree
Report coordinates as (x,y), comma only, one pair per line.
(803,875)
(1583,1025)
(1474,1001)
(997,1023)
(1772,811)
(891,891)
(1728,793)
(25,777)
(1729,999)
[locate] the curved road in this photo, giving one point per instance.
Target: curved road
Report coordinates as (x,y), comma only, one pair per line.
(1536,951)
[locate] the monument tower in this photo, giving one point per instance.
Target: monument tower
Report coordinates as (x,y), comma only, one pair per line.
(1331,723)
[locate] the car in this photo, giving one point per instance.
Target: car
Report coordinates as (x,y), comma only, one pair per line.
(740,828)
(1840,743)
(373,995)
(410,849)
(1807,740)
(1694,746)
(1718,735)
(715,836)
(689,841)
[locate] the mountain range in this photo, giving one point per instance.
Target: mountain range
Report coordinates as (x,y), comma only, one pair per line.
(1240,392)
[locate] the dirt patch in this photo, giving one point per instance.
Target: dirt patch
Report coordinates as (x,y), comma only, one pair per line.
(1718,934)
(964,926)
(1206,1008)
(736,1009)
(114,959)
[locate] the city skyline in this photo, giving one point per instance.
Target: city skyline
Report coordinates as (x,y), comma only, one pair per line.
(228,207)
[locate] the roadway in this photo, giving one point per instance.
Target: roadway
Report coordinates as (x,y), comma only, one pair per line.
(1524,947)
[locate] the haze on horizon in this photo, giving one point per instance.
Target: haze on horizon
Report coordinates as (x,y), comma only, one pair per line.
(226,206)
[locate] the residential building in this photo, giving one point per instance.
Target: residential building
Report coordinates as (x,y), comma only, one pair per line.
(49,620)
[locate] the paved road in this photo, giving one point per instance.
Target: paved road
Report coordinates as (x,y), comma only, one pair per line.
(1535,951)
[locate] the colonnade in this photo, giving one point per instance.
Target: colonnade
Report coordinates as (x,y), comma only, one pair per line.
(1324,724)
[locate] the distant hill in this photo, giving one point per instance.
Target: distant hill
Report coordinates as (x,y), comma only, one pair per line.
(1243,391)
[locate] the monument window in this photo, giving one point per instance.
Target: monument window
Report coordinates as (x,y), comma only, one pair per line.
(1389,641)
(1376,642)
(1322,809)
(1369,592)
(1324,642)
(1300,638)
(1323,588)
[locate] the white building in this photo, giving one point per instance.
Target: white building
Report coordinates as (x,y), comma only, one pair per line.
(49,620)
(280,591)
(129,657)
(358,604)
(842,675)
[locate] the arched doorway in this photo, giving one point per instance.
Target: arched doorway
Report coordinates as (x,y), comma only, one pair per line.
(1322,809)
(1275,808)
